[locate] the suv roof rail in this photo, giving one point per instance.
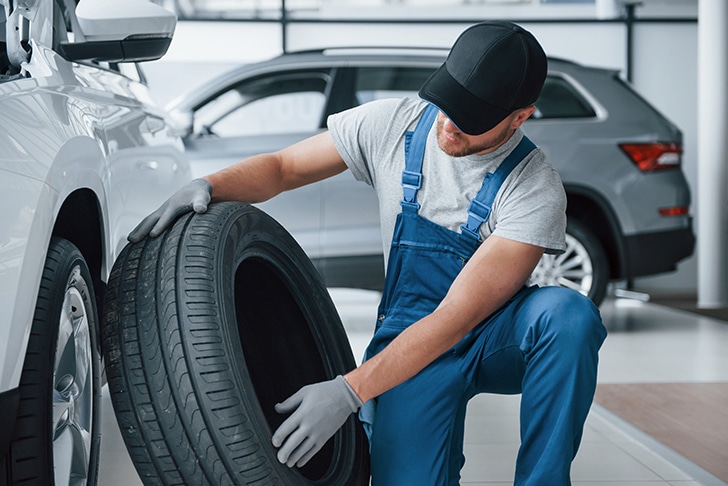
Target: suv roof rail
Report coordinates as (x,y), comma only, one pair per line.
(565,61)
(343,50)
(368,49)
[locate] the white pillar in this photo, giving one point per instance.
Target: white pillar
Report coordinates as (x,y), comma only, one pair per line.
(712,189)
(607,9)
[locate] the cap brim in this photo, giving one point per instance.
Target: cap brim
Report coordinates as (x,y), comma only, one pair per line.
(469,113)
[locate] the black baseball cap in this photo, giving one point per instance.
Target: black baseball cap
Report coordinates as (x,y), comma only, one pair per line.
(494,68)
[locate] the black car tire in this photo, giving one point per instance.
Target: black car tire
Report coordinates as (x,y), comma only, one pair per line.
(57,431)
(582,267)
(206,327)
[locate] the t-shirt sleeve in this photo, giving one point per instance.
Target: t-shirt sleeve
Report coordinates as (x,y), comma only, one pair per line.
(533,209)
(362,133)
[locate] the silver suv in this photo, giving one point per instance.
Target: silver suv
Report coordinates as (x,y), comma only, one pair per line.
(619,159)
(84,155)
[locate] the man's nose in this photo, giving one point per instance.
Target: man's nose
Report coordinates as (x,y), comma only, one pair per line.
(448,125)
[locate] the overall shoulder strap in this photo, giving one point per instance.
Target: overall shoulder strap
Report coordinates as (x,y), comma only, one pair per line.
(480,207)
(414,152)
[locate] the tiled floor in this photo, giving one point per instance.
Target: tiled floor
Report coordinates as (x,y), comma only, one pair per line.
(646,343)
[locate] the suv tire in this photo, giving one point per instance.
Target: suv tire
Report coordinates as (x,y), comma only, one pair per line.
(206,327)
(582,267)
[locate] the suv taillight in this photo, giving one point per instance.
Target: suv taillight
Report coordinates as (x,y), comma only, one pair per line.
(650,157)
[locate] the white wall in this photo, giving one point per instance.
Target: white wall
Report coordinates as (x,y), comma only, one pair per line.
(665,73)
(664,66)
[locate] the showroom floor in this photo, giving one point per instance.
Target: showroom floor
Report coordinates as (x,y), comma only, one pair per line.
(647,343)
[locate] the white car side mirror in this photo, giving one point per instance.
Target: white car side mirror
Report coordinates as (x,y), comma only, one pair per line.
(116,31)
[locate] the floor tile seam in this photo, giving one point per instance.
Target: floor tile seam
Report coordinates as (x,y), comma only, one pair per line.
(688,467)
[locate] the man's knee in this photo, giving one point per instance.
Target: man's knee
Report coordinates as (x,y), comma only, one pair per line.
(568,316)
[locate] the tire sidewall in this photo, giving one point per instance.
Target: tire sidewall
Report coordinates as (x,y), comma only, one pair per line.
(600,267)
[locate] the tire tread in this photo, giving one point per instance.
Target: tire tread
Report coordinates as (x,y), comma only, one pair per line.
(175,385)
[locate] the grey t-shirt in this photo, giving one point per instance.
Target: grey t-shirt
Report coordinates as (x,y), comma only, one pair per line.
(530,206)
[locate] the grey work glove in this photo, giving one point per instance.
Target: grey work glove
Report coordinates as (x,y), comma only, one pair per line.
(319,410)
(195,196)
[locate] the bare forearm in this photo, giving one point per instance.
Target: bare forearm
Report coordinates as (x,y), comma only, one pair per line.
(263,176)
(415,348)
(252,180)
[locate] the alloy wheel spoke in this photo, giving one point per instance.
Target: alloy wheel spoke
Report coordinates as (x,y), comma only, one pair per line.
(73,390)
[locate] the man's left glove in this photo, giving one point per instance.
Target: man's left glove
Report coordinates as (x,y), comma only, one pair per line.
(195,196)
(319,410)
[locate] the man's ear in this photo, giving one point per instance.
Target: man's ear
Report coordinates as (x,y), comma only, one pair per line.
(522,115)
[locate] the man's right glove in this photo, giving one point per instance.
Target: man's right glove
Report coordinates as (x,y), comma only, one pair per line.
(195,196)
(319,410)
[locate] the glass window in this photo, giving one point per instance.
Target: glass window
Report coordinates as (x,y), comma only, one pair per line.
(283,103)
(377,83)
(559,99)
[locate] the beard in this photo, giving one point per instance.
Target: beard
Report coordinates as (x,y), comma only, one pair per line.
(461,146)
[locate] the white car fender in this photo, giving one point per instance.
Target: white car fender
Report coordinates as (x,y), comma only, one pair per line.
(22,253)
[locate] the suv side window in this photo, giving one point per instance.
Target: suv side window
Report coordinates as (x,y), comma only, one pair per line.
(286,102)
(559,99)
(377,83)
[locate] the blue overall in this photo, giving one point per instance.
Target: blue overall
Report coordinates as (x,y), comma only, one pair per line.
(542,343)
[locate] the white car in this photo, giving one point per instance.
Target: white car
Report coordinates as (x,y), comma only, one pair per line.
(84,155)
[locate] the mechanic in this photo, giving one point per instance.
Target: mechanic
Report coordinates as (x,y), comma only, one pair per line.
(470,205)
